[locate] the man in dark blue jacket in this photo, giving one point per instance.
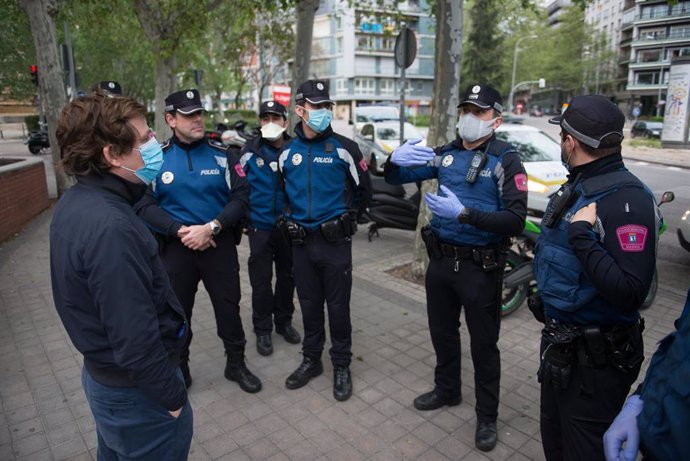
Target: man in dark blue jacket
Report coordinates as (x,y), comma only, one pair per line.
(594,263)
(483,203)
(267,244)
(197,205)
(656,417)
(110,287)
(327,186)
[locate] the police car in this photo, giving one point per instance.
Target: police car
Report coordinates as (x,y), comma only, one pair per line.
(377,140)
(541,156)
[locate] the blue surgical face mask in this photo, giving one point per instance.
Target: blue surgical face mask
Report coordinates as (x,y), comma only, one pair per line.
(152,155)
(319,119)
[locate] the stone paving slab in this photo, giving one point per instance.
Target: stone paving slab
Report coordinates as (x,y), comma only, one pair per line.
(44,414)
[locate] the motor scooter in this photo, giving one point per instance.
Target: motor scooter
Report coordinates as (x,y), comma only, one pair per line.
(521,278)
(391,208)
(37,141)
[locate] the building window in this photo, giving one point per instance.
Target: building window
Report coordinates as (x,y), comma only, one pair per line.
(653,34)
(656,11)
(387,86)
(649,56)
(341,86)
(680,32)
(365,86)
(647,78)
(339,45)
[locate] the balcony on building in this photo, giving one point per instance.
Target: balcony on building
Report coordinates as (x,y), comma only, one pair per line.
(628,19)
(663,13)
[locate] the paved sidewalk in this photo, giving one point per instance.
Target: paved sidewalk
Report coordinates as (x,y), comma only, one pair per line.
(44,415)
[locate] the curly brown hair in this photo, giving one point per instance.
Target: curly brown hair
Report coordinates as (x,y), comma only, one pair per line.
(88,124)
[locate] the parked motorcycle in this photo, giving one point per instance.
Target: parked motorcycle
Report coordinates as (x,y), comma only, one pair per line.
(390,208)
(237,135)
(519,281)
(37,141)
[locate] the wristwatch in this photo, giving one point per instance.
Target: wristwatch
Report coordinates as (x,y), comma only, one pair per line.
(464,216)
(215,227)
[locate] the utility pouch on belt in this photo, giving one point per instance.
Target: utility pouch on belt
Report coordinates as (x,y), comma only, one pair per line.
(432,246)
(487,258)
(595,346)
(536,306)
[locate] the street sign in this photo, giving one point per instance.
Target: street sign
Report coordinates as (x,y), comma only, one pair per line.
(281,93)
(405,48)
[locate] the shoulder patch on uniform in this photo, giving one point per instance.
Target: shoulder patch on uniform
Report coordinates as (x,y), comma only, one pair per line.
(521,181)
(632,237)
(363,165)
(240,172)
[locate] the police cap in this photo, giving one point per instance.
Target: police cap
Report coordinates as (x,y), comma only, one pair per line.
(185,102)
(313,91)
(110,87)
(272,107)
(483,96)
(593,120)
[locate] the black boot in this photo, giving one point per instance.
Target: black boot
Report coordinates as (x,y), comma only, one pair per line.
(288,332)
(433,400)
(308,369)
(486,436)
(236,370)
(184,368)
(342,383)
(264,345)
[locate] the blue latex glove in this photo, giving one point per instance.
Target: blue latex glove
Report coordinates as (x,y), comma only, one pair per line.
(410,154)
(444,207)
(624,430)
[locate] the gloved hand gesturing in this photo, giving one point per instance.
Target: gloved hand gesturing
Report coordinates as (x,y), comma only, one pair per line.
(444,207)
(624,430)
(410,154)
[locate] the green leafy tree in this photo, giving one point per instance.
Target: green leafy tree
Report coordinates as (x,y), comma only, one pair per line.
(484,51)
(16,53)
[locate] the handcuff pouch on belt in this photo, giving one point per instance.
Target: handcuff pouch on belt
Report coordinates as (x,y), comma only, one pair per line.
(560,354)
(293,231)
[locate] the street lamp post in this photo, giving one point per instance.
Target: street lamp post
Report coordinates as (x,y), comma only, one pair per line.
(512,80)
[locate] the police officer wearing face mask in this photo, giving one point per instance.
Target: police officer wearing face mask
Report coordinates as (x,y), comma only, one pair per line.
(482,202)
(267,243)
(197,204)
(594,264)
(327,186)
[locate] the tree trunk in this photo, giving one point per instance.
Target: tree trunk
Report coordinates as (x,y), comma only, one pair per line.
(165,71)
(446,96)
(220,115)
(42,14)
(306,10)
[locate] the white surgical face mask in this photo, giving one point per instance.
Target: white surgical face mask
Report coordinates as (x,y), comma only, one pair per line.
(471,128)
(272,131)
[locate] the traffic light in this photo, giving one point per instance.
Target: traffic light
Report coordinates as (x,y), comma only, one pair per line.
(34,75)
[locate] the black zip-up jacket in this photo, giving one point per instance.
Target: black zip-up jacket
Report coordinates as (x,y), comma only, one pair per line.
(112,292)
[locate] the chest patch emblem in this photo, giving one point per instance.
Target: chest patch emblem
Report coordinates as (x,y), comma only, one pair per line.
(296,159)
(167,177)
(447,161)
(260,162)
(631,237)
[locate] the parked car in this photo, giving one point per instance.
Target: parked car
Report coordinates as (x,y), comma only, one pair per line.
(378,139)
(536,111)
(374,113)
(647,129)
(541,156)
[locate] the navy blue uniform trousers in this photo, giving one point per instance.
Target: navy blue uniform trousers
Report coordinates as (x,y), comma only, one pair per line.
(219,269)
(479,292)
(270,306)
(323,273)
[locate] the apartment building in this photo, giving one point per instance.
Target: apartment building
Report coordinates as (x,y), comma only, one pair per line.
(652,33)
(353,48)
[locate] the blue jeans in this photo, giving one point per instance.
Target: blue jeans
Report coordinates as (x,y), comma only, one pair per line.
(132,427)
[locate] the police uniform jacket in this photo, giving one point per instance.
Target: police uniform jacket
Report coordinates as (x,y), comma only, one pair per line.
(600,275)
(266,196)
(112,292)
(198,182)
(324,178)
(496,202)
